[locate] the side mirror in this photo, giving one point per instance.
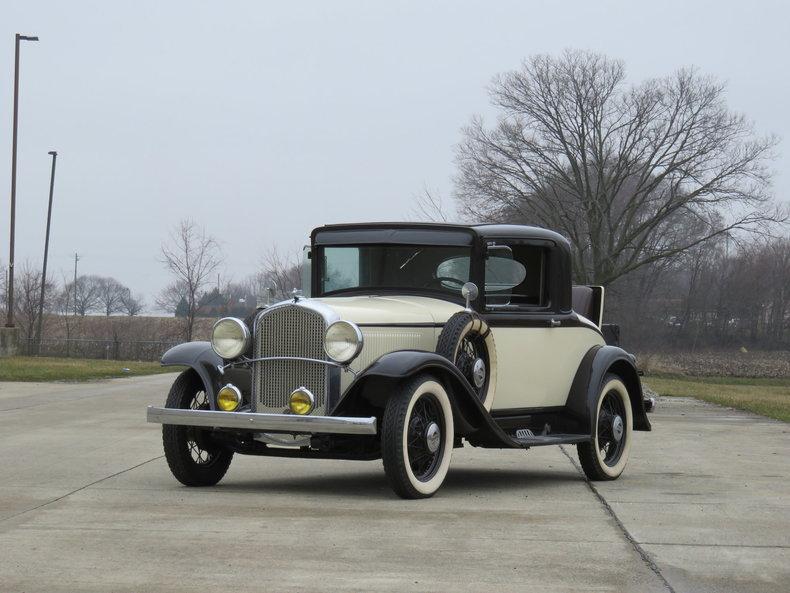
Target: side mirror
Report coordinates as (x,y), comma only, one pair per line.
(469,291)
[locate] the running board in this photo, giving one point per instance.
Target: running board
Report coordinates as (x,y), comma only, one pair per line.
(552,439)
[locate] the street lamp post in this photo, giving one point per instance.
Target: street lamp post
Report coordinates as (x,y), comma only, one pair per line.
(10,312)
(46,253)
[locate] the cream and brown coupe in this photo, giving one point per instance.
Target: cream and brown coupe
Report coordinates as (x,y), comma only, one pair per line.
(410,340)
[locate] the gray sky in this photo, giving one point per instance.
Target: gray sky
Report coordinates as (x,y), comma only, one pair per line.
(262,120)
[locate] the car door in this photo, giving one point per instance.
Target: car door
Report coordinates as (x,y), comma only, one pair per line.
(538,348)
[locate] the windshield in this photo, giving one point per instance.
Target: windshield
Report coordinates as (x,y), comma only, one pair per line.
(394,267)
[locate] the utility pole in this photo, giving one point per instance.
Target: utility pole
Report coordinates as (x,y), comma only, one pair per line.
(10,314)
(46,254)
(76,259)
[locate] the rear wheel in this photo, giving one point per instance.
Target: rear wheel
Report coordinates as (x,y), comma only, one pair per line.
(606,456)
(417,437)
(194,458)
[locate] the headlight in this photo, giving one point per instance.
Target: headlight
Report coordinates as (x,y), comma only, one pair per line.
(228,398)
(343,341)
(230,337)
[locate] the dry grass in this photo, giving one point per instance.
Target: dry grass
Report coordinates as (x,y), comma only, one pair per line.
(29,368)
(769,397)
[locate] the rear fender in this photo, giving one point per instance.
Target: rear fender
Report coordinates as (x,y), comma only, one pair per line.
(201,358)
(596,364)
(371,389)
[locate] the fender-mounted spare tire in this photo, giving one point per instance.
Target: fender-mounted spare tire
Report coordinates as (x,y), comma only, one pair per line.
(468,343)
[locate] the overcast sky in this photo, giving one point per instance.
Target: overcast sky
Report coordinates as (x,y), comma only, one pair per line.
(262,120)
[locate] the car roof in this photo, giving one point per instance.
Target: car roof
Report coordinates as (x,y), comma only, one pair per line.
(484,231)
(445,234)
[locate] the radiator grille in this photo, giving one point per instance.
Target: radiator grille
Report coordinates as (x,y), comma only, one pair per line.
(289,330)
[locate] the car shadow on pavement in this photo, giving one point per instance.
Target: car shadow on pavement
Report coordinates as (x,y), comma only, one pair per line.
(373,484)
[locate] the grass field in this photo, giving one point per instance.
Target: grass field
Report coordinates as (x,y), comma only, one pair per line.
(29,368)
(769,397)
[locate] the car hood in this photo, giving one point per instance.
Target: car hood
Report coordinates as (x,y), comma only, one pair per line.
(383,310)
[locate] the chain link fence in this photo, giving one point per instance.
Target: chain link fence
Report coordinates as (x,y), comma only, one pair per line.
(108,349)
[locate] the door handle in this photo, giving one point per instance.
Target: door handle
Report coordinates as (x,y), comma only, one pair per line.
(555,323)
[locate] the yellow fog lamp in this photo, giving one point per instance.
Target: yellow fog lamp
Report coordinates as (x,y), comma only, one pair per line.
(229,398)
(301,401)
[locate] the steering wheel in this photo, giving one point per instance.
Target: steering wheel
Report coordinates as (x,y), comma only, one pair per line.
(449,279)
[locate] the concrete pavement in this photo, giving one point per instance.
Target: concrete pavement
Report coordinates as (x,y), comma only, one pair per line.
(87,504)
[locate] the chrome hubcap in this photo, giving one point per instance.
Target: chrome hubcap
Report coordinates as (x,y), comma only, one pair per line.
(479,372)
(618,428)
(433,437)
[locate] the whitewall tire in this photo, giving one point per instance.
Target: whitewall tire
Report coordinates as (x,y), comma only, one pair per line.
(606,456)
(417,437)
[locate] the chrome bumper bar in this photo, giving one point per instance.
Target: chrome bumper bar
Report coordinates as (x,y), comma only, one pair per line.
(289,423)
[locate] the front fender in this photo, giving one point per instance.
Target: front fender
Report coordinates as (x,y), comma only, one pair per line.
(596,364)
(371,389)
(201,358)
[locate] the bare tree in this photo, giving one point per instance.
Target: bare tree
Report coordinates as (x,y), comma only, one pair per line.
(240,298)
(192,257)
(173,299)
(64,306)
(131,304)
(430,207)
(281,274)
(631,175)
(778,257)
(720,293)
(86,297)
(110,295)
(27,282)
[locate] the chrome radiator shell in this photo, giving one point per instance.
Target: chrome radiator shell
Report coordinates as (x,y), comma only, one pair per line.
(293,329)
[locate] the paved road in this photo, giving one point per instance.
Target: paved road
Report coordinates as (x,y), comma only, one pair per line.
(87,504)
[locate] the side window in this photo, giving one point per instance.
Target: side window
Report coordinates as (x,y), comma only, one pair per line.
(515,277)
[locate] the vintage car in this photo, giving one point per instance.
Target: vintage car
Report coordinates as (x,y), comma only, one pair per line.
(410,340)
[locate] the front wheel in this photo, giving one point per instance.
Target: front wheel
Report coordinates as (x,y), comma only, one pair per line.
(194,459)
(605,457)
(417,437)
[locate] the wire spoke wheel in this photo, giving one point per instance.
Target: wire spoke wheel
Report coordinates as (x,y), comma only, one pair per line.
(468,343)
(199,401)
(194,457)
(200,448)
(605,455)
(424,437)
(471,352)
(611,428)
(417,437)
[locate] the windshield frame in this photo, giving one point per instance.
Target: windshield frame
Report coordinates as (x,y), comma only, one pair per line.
(444,234)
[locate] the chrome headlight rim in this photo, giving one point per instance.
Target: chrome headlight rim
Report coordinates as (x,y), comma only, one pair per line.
(354,331)
(243,342)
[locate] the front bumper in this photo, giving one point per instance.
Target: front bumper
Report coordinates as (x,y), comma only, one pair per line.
(287,423)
